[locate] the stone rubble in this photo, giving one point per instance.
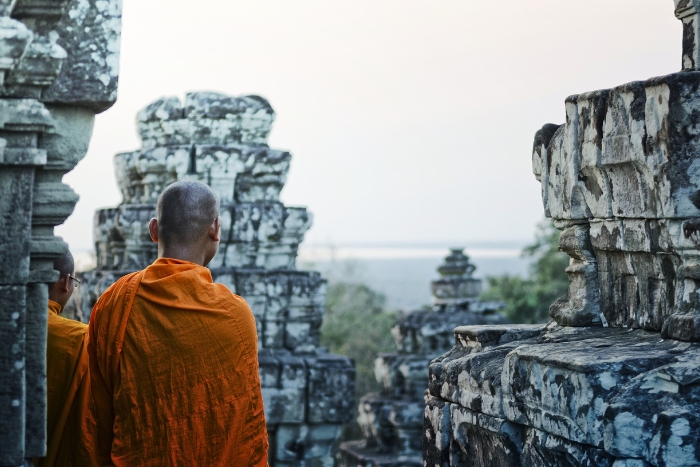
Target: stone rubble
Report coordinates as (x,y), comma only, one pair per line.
(222,141)
(392,420)
(614,378)
(59,65)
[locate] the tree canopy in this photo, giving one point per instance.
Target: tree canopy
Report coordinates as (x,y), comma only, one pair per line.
(528,299)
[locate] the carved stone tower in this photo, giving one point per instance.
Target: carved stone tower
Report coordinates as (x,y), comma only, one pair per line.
(222,141)
(392,420)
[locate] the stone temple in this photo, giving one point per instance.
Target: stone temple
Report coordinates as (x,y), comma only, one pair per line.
(59,66)
(392,420)
(222,141)
(614,378)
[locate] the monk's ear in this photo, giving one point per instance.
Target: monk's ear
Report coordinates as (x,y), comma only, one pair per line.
(63,283)
(153,229)
(215,229)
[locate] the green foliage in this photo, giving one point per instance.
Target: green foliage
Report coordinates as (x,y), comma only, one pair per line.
(356,325)
(528,299)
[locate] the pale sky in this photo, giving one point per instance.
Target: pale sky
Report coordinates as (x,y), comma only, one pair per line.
(408,121)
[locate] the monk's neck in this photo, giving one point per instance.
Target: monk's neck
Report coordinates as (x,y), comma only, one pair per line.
(183,254)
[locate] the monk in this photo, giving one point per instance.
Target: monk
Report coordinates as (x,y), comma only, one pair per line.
(173,355)
(70,421)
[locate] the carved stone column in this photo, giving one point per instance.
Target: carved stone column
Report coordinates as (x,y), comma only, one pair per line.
(58,67)
(688,12)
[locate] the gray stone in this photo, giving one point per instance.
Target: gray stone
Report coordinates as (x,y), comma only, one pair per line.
(90,34)
(222,141)
(613,379)
(52,56)
(393,421)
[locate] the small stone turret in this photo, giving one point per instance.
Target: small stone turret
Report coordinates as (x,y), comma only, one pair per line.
(392,420)
(222,141)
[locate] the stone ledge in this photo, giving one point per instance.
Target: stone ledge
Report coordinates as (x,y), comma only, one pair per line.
(625,394)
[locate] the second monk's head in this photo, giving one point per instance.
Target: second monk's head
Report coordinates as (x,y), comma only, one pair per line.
(187,225)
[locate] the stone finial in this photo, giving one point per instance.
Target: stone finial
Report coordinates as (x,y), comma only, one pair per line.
(687,11)
(456,283)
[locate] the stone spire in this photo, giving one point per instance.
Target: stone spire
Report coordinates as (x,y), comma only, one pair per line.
(222,141)
(456,285)
(392,420)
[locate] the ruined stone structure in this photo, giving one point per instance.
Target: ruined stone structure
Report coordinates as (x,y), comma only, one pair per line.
(59,64)
(392,420)
(221,141)
(614,379)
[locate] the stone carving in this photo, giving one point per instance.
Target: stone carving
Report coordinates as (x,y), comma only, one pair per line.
(392,420)
(221,141)
(59,64)
(613,379)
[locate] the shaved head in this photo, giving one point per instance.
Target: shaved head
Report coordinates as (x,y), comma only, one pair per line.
(186,209)
(64,264)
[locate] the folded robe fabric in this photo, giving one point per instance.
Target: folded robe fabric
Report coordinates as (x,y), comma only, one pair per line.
(70,422)
(174,369)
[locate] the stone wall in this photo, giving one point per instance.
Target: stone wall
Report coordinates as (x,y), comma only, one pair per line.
(613,379)
(392,420)
(222,141)
(59,64)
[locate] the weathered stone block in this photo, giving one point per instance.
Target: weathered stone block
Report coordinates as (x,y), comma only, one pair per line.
(566,393)
(483,441)
(331,383)
(15,223)
(356,454)
(36,325)
(373,416)
(546,450)
(306,442)
(12,369)
(437,436)
(90,34)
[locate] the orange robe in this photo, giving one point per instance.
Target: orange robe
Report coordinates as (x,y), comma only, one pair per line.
(70,422)
(174,367)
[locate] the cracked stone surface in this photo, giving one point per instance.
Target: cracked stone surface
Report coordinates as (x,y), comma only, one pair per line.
(392,420)
(222,141)
(50,91)
(613,379)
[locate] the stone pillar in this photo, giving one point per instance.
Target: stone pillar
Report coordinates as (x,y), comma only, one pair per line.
(58,67)
(687,11)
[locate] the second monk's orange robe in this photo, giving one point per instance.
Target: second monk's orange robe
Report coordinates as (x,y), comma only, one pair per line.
(70,421)
(174,367)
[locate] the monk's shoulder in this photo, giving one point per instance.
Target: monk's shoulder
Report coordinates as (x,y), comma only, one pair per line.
(115,289)
(229,298)
(65,329)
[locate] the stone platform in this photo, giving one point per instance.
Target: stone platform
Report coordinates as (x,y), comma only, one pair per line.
(561,396)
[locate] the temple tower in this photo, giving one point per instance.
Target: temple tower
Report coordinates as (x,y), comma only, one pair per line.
(392,419)
(222,141)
